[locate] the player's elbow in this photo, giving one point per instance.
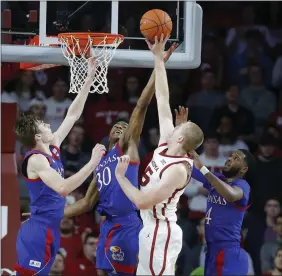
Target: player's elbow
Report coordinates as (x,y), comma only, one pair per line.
(63,190)
(231,198)
(142,205)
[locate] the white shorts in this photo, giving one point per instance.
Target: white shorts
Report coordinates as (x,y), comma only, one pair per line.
(160,242)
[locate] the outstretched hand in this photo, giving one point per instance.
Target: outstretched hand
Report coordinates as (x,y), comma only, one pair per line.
(158,47)
(197,162)
(97,153)
(181,115)
(171,49)
(122,165)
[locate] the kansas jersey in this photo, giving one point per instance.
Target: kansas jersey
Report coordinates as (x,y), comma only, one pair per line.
(165,210)
(45,202)
(112,199)
(224,219)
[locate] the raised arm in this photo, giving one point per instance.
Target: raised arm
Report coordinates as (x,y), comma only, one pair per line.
(173,178)
(76,108)
(40,167)
(85,204)
(230,193)
(138,115)
(162,91)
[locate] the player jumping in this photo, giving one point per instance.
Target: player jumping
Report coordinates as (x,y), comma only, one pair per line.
(38,238)
(117,249)
(227,203)
(164,180)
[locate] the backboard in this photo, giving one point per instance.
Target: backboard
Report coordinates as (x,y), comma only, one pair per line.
(114,17)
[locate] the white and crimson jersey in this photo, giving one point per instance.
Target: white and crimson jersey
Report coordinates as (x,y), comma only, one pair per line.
(160,240)
(165,210)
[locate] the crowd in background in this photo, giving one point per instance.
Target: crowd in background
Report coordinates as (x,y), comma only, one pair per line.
(235,96)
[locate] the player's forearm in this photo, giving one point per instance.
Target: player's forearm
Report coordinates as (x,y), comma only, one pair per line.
(222,188)
(73,182)
(76,108)
(147,93)
(136,196)
(162,91)
(76,209)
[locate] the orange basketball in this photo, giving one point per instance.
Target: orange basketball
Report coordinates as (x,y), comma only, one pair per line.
(155,22)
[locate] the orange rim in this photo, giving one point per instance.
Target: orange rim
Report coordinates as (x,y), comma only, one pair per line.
(97,38)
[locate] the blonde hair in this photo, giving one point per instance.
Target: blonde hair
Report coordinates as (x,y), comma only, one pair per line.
(193,136)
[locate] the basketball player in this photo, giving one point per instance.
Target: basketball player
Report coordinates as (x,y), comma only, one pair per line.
(117,249)
(227,203)
(38,238)
(164,180)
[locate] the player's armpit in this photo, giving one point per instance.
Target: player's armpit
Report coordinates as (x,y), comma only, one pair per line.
(230,193)
(85,204)
(173,178)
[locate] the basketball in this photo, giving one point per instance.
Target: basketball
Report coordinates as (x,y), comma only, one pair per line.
(155,22)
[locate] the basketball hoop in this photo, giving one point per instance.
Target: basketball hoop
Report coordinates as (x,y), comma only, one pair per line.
(79,47)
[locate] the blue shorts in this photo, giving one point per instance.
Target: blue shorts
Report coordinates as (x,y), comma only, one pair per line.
(226,259)
(37,246)
(117,250)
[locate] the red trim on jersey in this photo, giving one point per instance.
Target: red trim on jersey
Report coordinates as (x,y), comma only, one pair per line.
(154,212)
(163,153)
(59,152)
(48,242)
(128,269)
(153,247)
(174,163)
(166,247)
(219,262)
(24,271)
(162,145)
(121,153)
(241,208)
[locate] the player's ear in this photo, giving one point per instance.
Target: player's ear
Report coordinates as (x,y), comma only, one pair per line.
(180,139)
(38,137)
(244,170)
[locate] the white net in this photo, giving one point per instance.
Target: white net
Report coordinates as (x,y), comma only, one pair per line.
(78,60)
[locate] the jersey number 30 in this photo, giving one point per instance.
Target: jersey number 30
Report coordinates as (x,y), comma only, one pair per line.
(104,178)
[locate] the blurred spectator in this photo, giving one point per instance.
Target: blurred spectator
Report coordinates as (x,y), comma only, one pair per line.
(58,266)
(213,160)
(242,117)
(57,104)
(100,116)
(70,242)
(37,107)
(202,103)
(277,78)
(261,229)
(73,157)
(268,250)
(132,90)
(21,90)
(235,37)
(277,271)
(277,134)
(256,97)
(228,137)
(208,96)
(212,58)
(84,263)
(267,184)
(239,63)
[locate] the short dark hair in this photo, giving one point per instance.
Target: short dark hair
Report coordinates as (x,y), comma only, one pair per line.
(26,128)
(88,236)
(277,251)
(249,158)
(121,120)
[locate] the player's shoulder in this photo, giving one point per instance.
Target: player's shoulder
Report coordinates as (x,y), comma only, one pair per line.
(241,183)
(38,161)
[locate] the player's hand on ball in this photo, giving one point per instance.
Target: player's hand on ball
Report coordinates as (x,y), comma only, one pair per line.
(158,47)
(197,162)
(97,153)
(92,67)
(181,115)
(122,165)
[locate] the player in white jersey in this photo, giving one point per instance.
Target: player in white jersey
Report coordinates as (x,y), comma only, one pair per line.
(166,176)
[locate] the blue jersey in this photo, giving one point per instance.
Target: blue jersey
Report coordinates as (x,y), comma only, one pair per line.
(112,200)
(224,219)
(45,204)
